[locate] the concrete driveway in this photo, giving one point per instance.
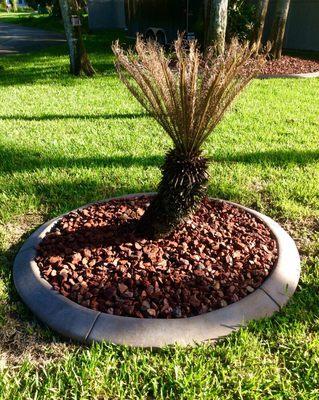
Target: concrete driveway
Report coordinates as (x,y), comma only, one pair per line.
(16,39)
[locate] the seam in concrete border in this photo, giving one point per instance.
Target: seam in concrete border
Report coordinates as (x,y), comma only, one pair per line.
(90,330)
(280,307)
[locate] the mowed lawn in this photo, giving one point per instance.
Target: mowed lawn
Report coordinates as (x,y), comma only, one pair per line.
(68,141)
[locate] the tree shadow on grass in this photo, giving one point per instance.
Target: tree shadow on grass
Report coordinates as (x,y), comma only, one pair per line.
(46,66)
(43,73)
(272,157)
(56,117)
(16,160)
(19,160)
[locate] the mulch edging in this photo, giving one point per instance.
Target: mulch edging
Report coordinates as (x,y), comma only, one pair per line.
(216,258)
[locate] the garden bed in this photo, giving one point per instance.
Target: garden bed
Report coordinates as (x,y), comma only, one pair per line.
(288,65)
(93,257)
(82,323)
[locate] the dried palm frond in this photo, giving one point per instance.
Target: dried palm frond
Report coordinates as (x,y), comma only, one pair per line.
(187,93)
(189,99)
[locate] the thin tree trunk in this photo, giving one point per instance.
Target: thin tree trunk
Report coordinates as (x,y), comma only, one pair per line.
(66,15)
(79,61)
(14,5)
(261,13)
(216,24)
(279,27)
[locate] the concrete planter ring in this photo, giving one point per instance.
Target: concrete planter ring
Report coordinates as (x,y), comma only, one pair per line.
(86,325)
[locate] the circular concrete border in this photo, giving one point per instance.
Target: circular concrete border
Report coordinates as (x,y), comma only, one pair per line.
(283,76)
(86,325)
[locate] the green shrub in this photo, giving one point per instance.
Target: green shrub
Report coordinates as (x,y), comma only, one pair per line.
(241,14)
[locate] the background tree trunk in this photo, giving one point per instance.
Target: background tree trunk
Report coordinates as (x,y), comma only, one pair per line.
(14,5)
(79,61)
(261,12)
(279,27)
(216,24)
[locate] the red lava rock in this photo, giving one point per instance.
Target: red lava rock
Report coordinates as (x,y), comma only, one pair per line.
(63,273)
(110,292)
(122,288)
(151,312)
(137,246)
(55,260)
(223,303)
(84,285)
(290,65)
(217,257)
(48,271)
(146,304)
(76,258)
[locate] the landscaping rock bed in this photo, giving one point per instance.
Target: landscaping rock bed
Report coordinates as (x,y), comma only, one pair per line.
(87,325)
(93,257)
(287,65)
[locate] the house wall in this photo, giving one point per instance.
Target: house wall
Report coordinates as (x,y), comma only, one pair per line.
(302,30)
(106,14)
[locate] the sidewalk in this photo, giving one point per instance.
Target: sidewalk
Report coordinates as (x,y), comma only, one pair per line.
(16,39)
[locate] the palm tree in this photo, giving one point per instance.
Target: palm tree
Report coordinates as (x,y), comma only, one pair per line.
(187,94)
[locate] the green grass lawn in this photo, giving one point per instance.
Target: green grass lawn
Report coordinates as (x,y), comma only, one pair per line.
(68,141)
(33,20)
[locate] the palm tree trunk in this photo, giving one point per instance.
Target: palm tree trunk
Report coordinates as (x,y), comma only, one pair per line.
(261,13)
(279,27)
(79,61)
(216,24)
(183,186)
